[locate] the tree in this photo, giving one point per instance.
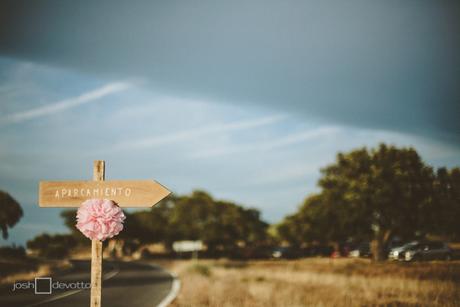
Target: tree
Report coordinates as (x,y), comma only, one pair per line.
(386,191)
(445,213)
(377,193)
(10,213)
(315,221)
(70,220)
(52,246)
(148,226)
(221,225)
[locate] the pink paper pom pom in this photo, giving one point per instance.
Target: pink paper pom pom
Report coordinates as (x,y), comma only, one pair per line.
(99,219)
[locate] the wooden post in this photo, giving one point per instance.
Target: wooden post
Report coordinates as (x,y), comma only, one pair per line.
(96,247)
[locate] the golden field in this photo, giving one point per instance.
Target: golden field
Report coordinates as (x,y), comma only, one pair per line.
(316,282)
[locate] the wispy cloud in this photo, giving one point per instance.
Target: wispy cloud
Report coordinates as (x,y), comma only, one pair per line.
(64,104)
(270,145)
(198,132)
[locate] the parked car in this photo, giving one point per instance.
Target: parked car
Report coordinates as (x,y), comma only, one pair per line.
(429,251)
(394,243)
(399,253)
(362,250)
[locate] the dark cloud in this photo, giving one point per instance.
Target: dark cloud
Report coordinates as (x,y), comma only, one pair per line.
(387,64)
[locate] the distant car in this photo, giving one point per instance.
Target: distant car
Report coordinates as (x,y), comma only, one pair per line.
(362,250)
(394,243)
(399,253)
(429,251)
(318,250)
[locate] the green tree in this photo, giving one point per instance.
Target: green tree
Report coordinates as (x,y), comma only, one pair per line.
(70,220)
(445,214)
(148,226)
(52,246)
(10,213)
(221,225)
(315,221)
(385,191)
(375,193)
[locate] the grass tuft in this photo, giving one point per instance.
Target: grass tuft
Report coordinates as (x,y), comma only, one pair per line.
(201,269)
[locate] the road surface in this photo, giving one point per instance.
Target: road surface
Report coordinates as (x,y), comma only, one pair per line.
(124,284)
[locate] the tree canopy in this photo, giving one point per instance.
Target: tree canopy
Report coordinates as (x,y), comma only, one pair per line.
(377,194)
(10,213)
(221,225)
(52,246)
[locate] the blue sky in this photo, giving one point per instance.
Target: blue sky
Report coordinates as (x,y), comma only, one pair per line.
(55,122)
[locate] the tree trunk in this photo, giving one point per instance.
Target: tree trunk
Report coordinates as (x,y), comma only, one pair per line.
(378,245)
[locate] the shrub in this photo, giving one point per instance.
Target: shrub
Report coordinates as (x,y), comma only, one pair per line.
(12,252)
(52,246)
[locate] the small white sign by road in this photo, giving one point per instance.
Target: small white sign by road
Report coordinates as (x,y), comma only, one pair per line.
(188,246)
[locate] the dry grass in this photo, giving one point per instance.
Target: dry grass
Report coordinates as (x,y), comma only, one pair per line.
(317,282)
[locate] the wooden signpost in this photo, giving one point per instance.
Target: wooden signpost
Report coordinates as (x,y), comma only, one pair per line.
(126,193)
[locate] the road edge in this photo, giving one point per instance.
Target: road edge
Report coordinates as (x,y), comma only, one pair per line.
(175,287)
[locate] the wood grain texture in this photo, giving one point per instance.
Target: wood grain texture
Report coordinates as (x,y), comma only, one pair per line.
(96,248)
(96,273)
(126,193)
(99,170)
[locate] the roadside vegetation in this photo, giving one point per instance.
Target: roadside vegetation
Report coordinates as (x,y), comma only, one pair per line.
(317,282)
(367,197)
(224,227)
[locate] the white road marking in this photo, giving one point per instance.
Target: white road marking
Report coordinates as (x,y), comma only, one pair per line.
(173,293)
(175,288)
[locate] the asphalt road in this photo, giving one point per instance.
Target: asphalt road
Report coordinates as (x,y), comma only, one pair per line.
(124,284)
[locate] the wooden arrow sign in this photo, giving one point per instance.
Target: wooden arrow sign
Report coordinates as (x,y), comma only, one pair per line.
(126,193)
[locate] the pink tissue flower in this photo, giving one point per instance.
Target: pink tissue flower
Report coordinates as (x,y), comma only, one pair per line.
(99,219)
